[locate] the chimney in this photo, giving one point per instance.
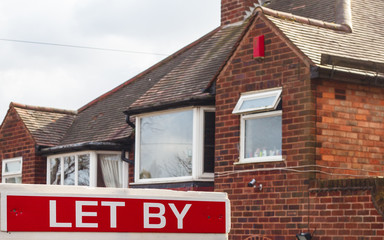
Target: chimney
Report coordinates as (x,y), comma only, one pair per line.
(233,11)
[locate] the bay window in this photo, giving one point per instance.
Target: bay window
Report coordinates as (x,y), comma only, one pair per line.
(96,169)
(175,145)
(260,126)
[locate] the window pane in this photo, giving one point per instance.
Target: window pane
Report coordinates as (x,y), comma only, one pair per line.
(83,171)
(166,145)
(257,101)
(209,142)
(109,170)
(69,170)
(13,179)
(265,102)
(12,167)
(55,171)
(263,137)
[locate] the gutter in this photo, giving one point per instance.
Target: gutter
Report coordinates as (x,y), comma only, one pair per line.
(44,151)
(349,69)
(194,101)
(322,72)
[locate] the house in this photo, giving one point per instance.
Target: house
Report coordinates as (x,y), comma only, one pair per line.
(281,107)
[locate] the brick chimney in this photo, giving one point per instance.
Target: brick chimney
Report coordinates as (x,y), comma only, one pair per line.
(233,11)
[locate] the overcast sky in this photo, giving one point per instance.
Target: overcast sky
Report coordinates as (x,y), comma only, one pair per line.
(68,77)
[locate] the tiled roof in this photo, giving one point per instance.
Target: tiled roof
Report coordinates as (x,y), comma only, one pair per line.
(316,9)
(364,43)
(46,125)
(185,75)
(182,75)
(188,80)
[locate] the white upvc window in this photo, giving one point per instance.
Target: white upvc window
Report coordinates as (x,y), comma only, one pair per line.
(175,145)
(258,101)
(88,168)
(260,126)
(12,170)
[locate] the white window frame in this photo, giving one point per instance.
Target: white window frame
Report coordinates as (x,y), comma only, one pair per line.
(197,148)
(92,167)
(258,95)
(243,159)
(253,113)
(13,174)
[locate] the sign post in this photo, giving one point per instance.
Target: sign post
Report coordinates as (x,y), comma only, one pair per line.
(63,212)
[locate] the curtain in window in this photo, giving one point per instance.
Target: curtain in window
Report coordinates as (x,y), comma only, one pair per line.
(110,170)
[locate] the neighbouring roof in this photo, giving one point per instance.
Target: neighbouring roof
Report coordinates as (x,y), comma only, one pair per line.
(364,43)
(46,125)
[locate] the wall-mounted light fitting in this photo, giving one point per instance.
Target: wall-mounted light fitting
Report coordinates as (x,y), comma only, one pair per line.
(304,236)
(252,183)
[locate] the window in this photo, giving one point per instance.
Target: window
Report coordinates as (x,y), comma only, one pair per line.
(175,145)
(101,169)
(256,102)
(261,126)
(11,170)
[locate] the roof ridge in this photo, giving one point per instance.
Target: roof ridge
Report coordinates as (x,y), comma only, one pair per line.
(148,70)
(344,27)
(42,109)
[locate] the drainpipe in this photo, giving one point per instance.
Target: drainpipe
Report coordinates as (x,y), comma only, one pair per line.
(132,125)
(127,160)
(128,120)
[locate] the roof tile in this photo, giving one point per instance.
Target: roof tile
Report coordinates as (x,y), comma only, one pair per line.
(46,125)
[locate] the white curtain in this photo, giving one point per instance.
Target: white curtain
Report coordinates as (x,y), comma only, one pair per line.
(111,170)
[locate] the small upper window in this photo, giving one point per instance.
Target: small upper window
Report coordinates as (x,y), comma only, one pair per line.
(261,126)
(12,169)
(259,101)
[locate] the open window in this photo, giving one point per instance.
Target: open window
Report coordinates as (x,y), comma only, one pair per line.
(12,170)
(175,145)
(95,169)
(261,126)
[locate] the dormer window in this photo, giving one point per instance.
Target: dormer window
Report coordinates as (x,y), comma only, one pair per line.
(261,126)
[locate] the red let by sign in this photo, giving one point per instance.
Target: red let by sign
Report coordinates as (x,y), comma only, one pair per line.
(93,214)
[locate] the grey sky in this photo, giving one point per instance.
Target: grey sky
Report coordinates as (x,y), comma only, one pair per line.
(63,77)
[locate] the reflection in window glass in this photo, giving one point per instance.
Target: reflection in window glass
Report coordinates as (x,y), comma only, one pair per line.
(13,180)
(166,145)
(12,167)
(258,103)
(69,170)
(55,171)
(83,170)
(263,137)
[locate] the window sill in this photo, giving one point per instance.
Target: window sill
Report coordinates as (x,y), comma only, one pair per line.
(169,180)
(260,160)
(192,185)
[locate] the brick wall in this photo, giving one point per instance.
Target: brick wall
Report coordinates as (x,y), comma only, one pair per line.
(280,209)
(347,209)
(350,129)
(15,141)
